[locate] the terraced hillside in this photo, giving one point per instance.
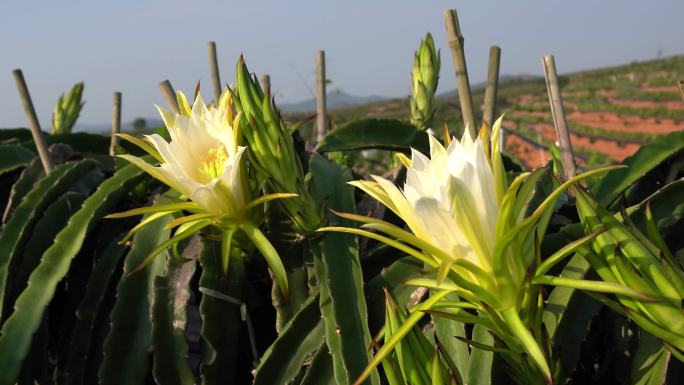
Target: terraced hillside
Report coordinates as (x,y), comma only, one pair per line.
(610,111)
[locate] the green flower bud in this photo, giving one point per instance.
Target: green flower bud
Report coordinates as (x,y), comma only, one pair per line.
(424,79)
(67,110)
(272,151)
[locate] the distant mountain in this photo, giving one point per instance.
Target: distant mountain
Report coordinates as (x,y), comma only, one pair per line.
(107,127)
(336,99)
(502,79)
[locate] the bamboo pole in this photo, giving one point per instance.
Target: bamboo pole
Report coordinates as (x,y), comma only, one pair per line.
(489,112)
(116,124)
(215,78)
(265,82)
(170,95)
(455,39)
(34,125)
(558,113)
(321,104)
(681,88)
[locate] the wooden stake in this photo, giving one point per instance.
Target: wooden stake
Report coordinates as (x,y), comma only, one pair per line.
(455,39)
(170,96)
(215,78)
(558,113)
(34,125)
(265,82)
(321,104)
(681,88)
(489,111)
(116,124)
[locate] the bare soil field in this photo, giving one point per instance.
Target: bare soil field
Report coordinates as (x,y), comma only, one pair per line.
(615,122)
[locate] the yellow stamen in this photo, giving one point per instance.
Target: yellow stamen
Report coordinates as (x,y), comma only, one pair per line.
(212,164)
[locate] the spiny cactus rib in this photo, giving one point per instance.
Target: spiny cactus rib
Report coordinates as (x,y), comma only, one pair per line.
(17,230)
(29,176)
(320,371)
(88,309)
(221,320)
(299,338)
(18,330)
(338,271)
(14,156)
(375,133)
(126,348)
(51,222)
(169,347)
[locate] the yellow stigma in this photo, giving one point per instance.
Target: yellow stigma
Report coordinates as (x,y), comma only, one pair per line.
(213,163)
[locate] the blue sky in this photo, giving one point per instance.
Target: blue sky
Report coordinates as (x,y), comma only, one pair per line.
(130,46)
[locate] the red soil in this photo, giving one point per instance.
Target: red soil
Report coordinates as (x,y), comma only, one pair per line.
(531,156)
(672,88)
(617,151)
(611,121)
(542,114)
(670,105)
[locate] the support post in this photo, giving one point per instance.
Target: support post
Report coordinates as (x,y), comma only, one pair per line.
(116,124)
(489,111)
(32,119)
(558,113)
(490,98)
(169,95)
(215,78)
(455,39)
(265,82)
(321,104)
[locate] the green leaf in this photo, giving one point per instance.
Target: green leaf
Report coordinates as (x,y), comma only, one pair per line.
(301,336)
(644,160)
(14,156)
(18,330)
(17,230)
(338,271)
(387,134)
(126,348)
